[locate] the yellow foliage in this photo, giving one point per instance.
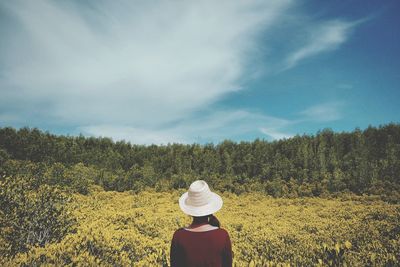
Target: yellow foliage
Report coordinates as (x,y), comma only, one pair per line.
(122,229)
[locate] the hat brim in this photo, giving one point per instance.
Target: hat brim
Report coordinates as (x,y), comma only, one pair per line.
(213,206)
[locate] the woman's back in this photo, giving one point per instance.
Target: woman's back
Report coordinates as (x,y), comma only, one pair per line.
(203,243)
(209,248)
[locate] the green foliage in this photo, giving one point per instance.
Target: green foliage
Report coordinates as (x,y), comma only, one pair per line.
(361,162)
(30,215)
(79,178)
(181,181)
(334,256)
(4,156)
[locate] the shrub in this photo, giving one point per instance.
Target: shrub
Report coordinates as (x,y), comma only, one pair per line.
(31,217)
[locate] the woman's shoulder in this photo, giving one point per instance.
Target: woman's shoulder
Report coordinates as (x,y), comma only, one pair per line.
(179,230)
(222,231)
(219,231)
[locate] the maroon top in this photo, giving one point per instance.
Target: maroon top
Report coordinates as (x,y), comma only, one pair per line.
(198,249)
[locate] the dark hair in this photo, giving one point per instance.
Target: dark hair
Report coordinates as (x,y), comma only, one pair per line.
(212,220)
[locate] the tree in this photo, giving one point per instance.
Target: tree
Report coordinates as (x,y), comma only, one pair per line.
(4,156)
(79,178)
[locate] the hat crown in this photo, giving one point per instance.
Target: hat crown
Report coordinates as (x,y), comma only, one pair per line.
(198,194)
(198,186)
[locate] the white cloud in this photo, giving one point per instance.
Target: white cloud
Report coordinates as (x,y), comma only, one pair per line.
(212,127)
(320,38)
(275,134)
(323,112)
(216,126)
(132,63)
(320,113)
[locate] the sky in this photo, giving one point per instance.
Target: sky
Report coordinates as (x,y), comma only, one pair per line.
(159,72)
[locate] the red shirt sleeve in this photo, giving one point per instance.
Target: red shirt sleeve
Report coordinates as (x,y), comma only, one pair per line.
(227,253)
(176,253)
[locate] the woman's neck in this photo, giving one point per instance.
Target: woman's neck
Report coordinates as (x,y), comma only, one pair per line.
(199,221)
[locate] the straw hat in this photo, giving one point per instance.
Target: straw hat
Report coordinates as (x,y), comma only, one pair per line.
(199,200)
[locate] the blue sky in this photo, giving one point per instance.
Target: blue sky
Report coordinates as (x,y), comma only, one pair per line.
(199,71)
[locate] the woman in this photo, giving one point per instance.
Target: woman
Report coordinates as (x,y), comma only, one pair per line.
(203,243)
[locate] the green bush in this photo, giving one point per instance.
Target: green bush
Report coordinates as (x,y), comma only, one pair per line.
(31,216)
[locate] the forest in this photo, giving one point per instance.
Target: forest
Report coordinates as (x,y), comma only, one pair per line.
(327,163)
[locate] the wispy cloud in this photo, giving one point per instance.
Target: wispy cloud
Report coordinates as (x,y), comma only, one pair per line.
(211,127)
(319,113)
(128,62)
(324,112)
(276,134)
(322,37)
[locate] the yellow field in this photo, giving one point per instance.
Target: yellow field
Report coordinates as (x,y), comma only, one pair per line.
(120,229)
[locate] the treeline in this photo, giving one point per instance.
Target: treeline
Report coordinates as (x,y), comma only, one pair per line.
(361,162)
